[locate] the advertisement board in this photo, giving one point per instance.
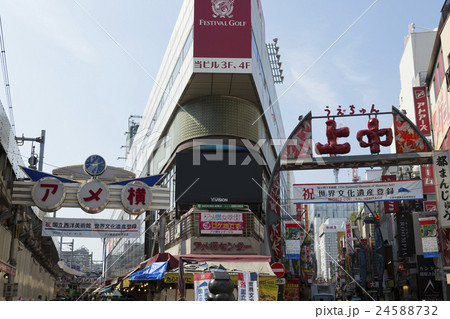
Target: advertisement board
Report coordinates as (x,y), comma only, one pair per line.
(429,234)
(221,223)
(358,192)
(218,180)
(222,36)
(90,227)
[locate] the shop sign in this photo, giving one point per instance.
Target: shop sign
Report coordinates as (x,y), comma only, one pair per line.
(430,206)
(390,206)
(429,235)
(405,230)
(221,223)
(441,161)
(427,175)
(428,288)
(221,246)
(421,110)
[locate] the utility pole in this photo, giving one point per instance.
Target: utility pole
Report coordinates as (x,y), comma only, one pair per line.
(32,160)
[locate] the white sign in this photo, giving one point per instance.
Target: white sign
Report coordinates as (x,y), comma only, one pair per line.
(136,197)
(48,194)
(201,289)
(441,163)
(358,192)
(247,286)
(221,223)
(90,228)
(93,196)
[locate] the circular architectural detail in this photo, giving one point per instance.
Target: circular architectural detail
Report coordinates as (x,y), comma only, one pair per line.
(48,194)
(94,165)
(93,196)
(136,197)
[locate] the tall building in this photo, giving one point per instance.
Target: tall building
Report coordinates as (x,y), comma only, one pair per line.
(413,66)
(324,244)
(208,127)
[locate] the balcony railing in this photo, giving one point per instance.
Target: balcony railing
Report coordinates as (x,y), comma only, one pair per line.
(189,226)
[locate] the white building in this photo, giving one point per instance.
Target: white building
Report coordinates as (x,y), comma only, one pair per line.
(213,100)
(413,66)
(328,246)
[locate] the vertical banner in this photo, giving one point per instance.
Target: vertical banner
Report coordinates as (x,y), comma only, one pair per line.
(201,282)
(441,162)
(390,206)
(427,175)
(349,238)
(405,231)
(248,286)
(421,108)
(429,234)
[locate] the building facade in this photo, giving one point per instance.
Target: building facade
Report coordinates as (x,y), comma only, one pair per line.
(213,127)
(28,261)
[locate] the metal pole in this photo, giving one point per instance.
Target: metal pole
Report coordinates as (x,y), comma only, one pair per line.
(104,261)
(41,151)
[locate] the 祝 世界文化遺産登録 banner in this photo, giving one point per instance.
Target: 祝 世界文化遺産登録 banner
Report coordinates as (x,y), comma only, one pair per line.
(358,192)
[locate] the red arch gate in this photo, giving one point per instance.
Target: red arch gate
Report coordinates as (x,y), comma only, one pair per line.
(411,148)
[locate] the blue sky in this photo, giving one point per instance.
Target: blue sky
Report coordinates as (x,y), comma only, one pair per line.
(79,68)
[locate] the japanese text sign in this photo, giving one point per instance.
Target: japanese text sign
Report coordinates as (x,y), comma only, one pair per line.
(221,223)
(48,194)
(136,197)
(441,162)
(421,108)
(90,228)
(248,286)
(358,192)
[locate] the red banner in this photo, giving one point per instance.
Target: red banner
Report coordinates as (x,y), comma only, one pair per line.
(222,29)
(421,108)
(390,206)
(426,172)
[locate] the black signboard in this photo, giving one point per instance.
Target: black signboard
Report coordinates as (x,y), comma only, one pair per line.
(232,177)
(405,230)
(429,288)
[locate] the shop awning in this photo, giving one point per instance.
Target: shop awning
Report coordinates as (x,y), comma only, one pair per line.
(153,272)
(172,261)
